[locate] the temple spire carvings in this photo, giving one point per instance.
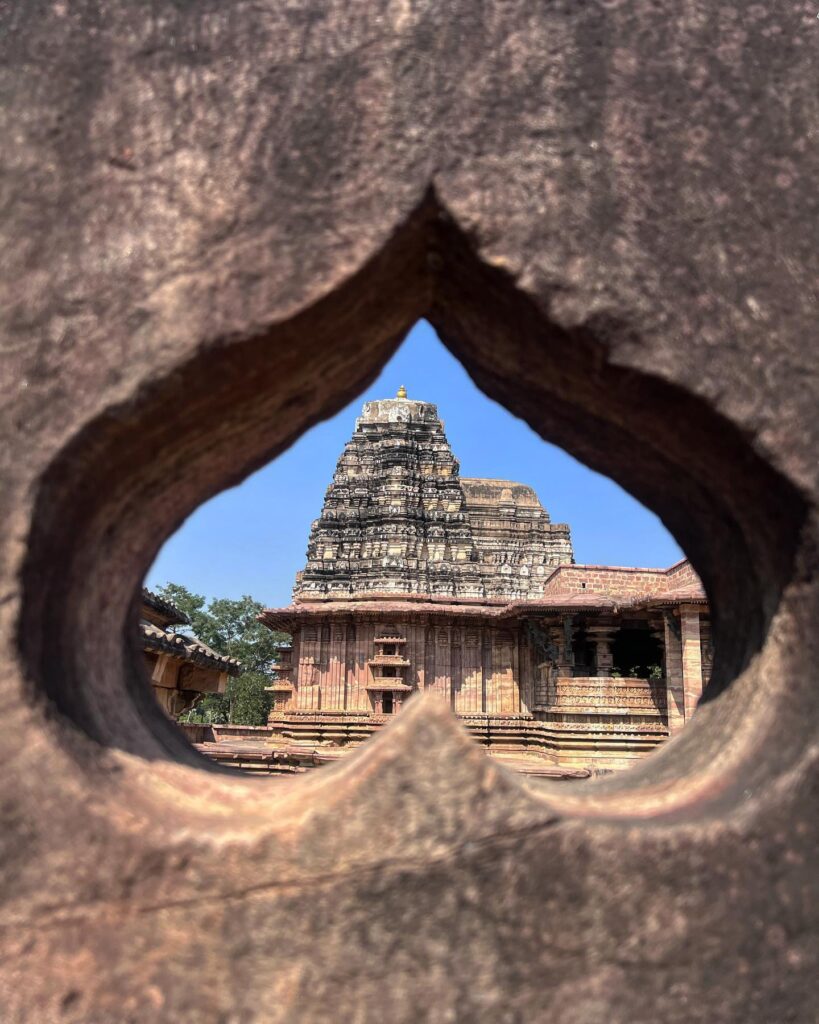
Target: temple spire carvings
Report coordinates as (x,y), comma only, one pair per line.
(399,519)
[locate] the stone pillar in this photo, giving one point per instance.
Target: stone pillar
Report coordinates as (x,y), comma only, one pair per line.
(502,680)
(520,678)
(691,658)
(657,628)
(350,665)
(443,679)
(333,691)
(602,634)
(164,680)
(542,671)
(358,697)
(160,669)
(486,672)
(707,649)
(470,700)
(561,636)
(674,673)
(456,673)
(547,690)
(163,696)
(308,672)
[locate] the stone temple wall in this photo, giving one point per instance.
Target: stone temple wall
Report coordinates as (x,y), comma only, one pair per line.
(612,580)
(517,543)
(397,518)
(475,668)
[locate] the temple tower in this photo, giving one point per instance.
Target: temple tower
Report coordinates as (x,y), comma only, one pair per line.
(419,580)
(398,519)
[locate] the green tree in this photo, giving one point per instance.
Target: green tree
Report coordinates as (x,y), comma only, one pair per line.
(192,605)
(208,709)
(248,703)
(231,627)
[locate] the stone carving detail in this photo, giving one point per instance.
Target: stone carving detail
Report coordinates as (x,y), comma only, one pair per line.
(398,518)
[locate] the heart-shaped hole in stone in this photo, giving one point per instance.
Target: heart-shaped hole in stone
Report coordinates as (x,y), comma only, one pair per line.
(419,576)
(216,410)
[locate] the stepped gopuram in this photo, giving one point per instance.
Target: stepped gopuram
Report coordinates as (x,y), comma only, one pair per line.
(420,580)
(398,519)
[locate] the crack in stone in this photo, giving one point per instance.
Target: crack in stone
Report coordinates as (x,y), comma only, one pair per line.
(77,912)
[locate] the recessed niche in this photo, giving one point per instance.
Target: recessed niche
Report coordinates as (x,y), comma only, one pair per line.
(424,540)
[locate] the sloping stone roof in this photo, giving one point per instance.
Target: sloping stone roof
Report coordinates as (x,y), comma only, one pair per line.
(187,648)
(172,615)
(687,593)
(287,618)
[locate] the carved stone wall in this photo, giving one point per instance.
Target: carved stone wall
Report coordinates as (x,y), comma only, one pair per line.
(516,542)
(467,664)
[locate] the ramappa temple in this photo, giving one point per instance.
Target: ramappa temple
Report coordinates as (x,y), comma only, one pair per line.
(419,579)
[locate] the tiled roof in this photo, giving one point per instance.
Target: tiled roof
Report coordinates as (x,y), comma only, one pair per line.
(167,609)
(187,648)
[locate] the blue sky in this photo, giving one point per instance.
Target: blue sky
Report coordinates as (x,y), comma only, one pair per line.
(252,538)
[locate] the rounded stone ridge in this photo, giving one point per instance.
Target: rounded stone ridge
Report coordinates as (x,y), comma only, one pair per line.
(483,490)
(398,410)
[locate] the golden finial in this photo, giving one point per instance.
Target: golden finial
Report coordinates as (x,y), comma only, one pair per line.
(402,392)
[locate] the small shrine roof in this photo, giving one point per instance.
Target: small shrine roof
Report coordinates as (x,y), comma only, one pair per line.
(167,610)
(186,648)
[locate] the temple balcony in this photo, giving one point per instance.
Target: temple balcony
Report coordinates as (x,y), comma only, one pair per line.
(390,659)
(605,695)
(388,684)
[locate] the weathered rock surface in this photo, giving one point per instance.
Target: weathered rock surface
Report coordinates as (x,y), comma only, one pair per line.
(218,222)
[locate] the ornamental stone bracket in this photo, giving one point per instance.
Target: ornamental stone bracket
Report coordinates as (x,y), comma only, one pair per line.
(219,222)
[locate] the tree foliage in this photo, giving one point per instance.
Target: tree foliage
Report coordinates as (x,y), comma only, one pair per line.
(249,704)
(230,627)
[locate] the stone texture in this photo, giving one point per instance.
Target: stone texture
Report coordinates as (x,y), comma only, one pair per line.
(516,542)
(219,220)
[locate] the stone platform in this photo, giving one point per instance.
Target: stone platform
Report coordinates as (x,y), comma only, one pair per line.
(260,750)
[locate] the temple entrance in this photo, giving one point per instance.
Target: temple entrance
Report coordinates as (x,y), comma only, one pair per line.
(387,704)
